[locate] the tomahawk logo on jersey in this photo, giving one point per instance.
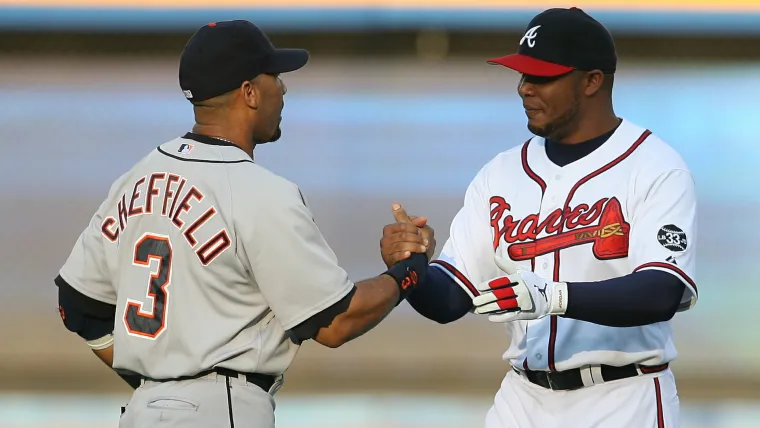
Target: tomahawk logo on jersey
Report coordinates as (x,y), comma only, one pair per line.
(600,223)
(628,206)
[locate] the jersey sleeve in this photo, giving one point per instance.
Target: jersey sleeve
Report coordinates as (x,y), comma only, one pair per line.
(86,269)
(295,269)
(663,230)
(468,254)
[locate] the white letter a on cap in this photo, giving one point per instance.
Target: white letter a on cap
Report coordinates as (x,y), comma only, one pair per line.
(530,36)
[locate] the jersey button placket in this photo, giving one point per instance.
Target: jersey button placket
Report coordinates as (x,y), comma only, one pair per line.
(548,205)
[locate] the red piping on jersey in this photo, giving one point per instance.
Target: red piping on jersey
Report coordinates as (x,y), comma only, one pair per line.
(542,184)
(658,394)
(671,267)
(529,171)
(565,211)
(458,275)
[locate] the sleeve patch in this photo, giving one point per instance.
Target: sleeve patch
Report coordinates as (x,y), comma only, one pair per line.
(672,237)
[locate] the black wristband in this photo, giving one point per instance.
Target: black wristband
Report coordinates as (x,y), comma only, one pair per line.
(408,273)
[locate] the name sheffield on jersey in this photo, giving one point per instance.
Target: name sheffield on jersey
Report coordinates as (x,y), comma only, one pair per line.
(172,206)
(609,237)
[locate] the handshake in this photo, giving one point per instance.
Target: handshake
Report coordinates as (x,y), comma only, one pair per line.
(406,236)
(518,294)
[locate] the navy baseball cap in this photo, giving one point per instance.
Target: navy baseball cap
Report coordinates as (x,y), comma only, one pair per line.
(558,41)
(220,56)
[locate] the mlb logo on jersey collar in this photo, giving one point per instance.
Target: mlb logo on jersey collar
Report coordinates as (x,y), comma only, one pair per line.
(185,148)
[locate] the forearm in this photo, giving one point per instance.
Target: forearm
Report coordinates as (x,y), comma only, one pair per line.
(373,300)
(439,298)
(93,321)
(105,355)
(641,298)
(369,303)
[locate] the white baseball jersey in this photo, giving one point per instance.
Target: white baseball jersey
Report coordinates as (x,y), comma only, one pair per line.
(628,206)
(209,258)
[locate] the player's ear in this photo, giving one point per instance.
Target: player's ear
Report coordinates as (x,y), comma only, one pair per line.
(251,93)
(592,82)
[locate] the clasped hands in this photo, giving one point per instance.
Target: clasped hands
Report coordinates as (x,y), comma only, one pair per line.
(409,234)
(518,295)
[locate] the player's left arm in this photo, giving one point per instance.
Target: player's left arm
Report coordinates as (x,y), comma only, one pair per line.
(86,296)
(664,232)
(661,256)
(93,321)
(662,259)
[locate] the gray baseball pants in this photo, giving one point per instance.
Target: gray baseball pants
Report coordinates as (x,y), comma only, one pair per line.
(211,401)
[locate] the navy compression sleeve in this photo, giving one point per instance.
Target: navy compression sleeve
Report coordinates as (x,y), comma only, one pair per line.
(439,298)
(640,298)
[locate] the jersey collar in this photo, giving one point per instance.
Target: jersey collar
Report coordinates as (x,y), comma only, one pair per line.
(205,139)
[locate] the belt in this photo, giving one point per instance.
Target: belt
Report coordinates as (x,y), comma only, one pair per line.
(569,380)
(263,381)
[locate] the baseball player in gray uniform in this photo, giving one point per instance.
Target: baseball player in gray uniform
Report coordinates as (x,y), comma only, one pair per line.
(202,273)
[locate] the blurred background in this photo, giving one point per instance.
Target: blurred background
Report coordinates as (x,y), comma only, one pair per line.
(397,104)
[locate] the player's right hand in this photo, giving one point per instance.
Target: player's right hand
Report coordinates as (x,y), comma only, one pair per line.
(406,236)
(427,232)
(519,295)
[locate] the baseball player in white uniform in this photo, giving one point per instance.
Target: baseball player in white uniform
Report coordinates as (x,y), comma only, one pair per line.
(201,273)
(581,241)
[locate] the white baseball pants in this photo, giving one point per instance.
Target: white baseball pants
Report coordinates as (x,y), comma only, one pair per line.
(646,401)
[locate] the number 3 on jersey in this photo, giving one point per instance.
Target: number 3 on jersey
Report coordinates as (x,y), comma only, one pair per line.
(139,322)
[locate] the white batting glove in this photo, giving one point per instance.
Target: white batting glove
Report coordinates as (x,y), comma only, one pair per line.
(520,295)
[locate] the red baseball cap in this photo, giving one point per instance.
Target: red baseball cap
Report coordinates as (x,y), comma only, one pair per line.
(558,41)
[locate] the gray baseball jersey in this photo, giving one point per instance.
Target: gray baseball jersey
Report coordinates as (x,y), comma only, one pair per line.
(209,258)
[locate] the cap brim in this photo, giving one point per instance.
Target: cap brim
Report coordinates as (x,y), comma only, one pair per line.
(532,66)
(286,60)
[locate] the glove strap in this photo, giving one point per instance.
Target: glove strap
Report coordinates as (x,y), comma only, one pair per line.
(558,301)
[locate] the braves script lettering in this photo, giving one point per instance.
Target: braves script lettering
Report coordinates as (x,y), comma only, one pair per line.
(566,228)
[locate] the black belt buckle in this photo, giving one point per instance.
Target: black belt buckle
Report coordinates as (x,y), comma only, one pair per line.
(550,383)
(548,380)
(554,381)
(542,378)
